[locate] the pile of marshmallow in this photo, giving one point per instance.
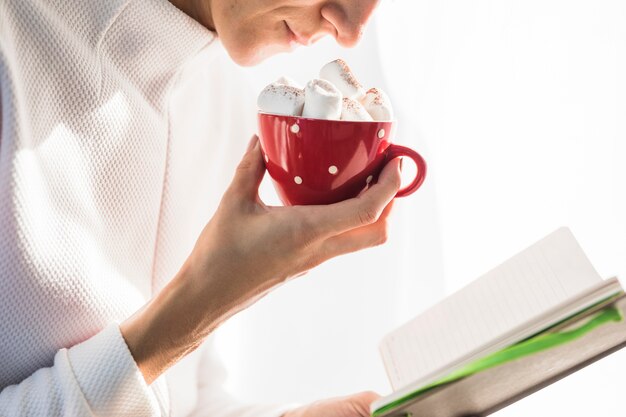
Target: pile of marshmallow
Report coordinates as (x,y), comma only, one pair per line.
(336,95)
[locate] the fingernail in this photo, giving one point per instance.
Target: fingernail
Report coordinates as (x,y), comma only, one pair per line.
(401,160)
(252,143)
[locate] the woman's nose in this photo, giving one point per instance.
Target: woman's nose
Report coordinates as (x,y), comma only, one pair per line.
(349,18)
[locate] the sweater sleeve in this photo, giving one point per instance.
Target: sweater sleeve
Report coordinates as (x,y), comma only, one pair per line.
(97,377)
(215,401)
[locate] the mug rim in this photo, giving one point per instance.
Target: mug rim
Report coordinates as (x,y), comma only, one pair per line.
(262,113)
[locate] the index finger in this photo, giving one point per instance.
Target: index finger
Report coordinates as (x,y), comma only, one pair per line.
(363,210)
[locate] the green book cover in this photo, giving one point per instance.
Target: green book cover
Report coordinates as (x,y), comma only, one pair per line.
(542,341)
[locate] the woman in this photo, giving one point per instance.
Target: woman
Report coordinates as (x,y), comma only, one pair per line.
(108,137)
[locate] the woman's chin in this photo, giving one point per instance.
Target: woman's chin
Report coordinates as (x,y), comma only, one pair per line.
(247,57)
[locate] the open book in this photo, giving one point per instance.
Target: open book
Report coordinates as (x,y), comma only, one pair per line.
(542,310)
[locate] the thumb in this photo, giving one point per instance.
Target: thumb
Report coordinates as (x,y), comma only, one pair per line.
(250,171)
(362,401)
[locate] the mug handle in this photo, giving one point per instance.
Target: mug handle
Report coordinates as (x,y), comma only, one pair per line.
(395,151)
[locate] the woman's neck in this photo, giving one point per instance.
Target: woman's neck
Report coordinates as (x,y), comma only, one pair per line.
(199,10)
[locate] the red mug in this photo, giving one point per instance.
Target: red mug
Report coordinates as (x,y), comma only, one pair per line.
(316,161)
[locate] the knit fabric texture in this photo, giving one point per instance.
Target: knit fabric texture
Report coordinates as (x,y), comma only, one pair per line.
(112,121)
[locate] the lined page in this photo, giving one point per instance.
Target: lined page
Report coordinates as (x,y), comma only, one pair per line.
(550,272)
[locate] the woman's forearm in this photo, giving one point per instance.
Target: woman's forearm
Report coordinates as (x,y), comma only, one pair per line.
(171,325)
(243,252)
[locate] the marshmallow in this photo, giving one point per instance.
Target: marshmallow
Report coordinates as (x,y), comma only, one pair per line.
(281,99)
(378,105)
(354,111)
(338,73)
(288,81)
(322,100)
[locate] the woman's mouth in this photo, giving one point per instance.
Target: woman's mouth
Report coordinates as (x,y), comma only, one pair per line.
(294,38)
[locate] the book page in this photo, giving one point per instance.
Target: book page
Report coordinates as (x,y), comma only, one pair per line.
(543,276)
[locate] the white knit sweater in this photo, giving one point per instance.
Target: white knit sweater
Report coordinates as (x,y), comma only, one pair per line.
(115,122)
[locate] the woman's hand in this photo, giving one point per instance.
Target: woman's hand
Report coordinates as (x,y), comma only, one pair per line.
(248,248)
(245,250)
(357,405)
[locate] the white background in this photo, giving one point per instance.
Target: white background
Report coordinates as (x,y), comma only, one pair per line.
(520,111)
